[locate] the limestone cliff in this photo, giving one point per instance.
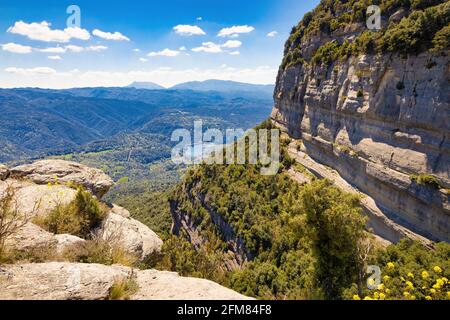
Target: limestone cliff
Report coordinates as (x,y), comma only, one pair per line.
(379,119)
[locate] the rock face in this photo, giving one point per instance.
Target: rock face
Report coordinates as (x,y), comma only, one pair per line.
(51,171)
(73,281)
(377,120)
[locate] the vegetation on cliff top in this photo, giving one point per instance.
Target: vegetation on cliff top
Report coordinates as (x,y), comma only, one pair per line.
(424,26)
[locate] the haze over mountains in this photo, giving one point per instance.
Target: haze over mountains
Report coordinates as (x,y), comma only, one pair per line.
(209,85)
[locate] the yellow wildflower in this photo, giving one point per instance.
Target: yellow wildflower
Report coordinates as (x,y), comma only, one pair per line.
(382,296)
(376,295)
(433,291)
(356,297)
(386,278)
(425,274)
(437,269)
(440,282)
(381,287)
(448,294)
(368,298)
(445,280)
(390,265)
(402,278)
(410,275)
(388,290)
(410,285)
(406,294)
(428,298)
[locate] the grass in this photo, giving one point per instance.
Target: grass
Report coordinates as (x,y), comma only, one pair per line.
(123,289)
(106,251)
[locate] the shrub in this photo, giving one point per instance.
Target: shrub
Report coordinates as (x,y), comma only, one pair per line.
(101,250)
(11,219)
(78,218)
(426,179)
(123,289)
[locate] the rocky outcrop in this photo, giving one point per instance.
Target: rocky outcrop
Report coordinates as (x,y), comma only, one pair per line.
(131,234)
(59,171)
(35,196)
(377,120)
(74,281)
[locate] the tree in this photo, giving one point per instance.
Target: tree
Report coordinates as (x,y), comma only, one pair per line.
(337,229)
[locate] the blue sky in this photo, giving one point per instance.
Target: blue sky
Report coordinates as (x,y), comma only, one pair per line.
(166,42)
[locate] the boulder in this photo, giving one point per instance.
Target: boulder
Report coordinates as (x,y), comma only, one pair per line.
(64,241)
(59,171)
(131,234)
(30,237)
(58,281)
(75,281)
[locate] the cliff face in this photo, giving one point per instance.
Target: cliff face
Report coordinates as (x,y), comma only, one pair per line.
(378,119)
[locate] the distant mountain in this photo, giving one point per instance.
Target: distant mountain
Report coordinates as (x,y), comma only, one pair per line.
(146,85)
(224,86)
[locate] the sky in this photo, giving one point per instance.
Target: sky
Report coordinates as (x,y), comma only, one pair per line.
(113,43)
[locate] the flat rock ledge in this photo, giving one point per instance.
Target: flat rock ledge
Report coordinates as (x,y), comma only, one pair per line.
(51,171)
(75,281)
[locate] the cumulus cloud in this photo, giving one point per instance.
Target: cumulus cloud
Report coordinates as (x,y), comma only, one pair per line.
(73,48)
(183,48)
(116,36)
(54,57)
(41,31)
(16,48)
(272,34)
(199,19)
(53,50)
(209,47)
(232,44)
(164,53)
(235,53)
(188,30)
(235,31)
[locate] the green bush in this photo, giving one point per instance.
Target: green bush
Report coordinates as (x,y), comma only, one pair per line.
(123,289)
(79,218)
(426,179)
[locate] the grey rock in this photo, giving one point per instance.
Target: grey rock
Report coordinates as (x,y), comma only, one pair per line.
(74,281)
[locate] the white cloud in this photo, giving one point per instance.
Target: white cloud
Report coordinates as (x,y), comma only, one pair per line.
(143,60)
(199,19)
(53,50)
(164,53)
(235,53)
(42,32)
(54,57)
(16,48)
(234,31)
(96,48)
(137,50)
(188,30)
(76,49)
(31,71)
(183,48)
(209,47)
(167,77)
(116,36)
(232,44)
(272,34)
